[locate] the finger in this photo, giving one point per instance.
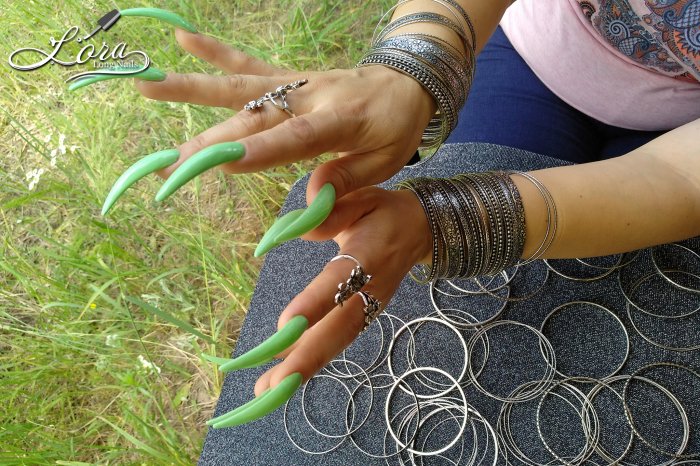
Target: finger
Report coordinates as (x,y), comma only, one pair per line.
(318,298)
(347,210)
(354,171)
(227,59)
(315,349)
(322,343)
(234,128)
(232,91)
(300,138)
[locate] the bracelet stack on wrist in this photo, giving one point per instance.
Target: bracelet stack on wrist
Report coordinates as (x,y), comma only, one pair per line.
(435,63)
(477,222)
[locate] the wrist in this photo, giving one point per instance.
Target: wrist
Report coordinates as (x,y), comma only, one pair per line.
(422,247)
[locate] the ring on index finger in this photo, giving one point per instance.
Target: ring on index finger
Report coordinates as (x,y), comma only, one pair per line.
(278,97)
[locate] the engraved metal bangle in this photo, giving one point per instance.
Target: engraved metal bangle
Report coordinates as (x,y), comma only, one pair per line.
(425,17)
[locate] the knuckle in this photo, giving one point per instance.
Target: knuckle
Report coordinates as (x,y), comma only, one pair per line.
(345,177)
(302,129)
(233,85)
(239,59)
(235,81)
(196,144)
(316,362)
(189,81)
(250,122)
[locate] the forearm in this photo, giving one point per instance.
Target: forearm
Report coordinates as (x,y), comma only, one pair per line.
(647,197)
(484,14)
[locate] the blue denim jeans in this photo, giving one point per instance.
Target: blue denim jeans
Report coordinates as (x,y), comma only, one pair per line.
(508,105)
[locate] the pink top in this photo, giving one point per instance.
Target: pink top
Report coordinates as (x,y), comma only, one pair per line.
(628,63)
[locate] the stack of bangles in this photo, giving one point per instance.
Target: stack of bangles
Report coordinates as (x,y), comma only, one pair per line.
(443,70)
(477,223)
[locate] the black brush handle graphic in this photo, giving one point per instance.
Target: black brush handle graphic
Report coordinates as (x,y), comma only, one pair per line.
(104,23)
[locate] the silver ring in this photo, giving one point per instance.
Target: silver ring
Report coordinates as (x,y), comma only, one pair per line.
(358,279)
(372,308)
(278,97)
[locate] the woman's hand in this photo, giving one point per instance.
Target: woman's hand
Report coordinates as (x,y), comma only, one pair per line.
(373,115)
(388,233)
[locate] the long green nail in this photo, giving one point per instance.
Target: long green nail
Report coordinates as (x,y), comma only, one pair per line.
(315,214)
(267,242)
(215,359)
(233,412)
(279,341)
(264,405)
(221,361)
(149,74)
(200,162)
(143,167)
(163,15)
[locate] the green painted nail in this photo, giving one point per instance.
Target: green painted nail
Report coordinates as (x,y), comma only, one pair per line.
(149,74)
(267,242)
(264,406)
(200,162)
(279,341)
(221,361)
(215,359)
(233,412)
(163,15)
(315,214)
(143,167)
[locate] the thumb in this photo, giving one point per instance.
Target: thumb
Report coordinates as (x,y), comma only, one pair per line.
(348,210)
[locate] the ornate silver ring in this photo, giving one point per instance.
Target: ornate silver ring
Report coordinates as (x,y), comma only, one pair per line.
(358,279)
(278,97)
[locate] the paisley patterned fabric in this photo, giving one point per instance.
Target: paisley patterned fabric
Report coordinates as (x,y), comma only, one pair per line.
(661,35)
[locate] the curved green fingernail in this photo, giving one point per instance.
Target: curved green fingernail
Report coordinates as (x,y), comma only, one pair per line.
(315,214)
(143,167)
(149,74)
(215,359)
(163,15)
(279,341)
(267,242)
(233,412)
(221,361)
(200,162)
(264,405)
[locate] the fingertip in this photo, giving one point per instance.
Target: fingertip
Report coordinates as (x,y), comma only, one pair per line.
(262,384)
(185,38)
(321,176)
(148,89)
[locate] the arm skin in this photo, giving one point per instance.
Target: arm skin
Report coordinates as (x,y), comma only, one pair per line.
(649,196)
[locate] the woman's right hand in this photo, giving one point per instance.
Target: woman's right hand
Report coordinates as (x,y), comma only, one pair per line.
(373,117)
(388,233)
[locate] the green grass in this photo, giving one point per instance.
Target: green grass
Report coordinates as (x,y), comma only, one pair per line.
(91,306)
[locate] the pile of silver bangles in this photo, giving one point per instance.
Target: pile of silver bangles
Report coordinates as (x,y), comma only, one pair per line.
(477,222)
(443,70)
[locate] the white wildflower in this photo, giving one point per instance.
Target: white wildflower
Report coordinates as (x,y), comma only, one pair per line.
(111,340)
(147,365)
(61,145)
(33,177)
(48,137)
(72,149)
